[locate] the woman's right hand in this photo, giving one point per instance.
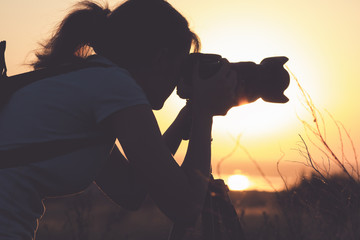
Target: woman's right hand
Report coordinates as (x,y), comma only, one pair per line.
(215,95)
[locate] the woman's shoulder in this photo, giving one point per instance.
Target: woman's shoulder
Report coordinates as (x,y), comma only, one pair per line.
(104,66)
(100,75)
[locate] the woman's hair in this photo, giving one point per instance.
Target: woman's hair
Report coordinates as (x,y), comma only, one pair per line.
(129,35)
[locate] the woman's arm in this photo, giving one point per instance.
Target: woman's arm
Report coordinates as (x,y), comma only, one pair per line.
(178,191)
(179,129)
(120,182)
(117,178)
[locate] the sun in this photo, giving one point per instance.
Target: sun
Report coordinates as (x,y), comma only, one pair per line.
(238,182)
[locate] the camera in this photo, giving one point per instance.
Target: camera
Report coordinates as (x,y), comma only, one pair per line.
(267,80)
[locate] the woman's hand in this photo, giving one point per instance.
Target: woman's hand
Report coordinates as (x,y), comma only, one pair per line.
(217,94)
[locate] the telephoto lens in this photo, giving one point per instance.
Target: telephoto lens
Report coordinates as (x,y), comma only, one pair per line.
(267,80)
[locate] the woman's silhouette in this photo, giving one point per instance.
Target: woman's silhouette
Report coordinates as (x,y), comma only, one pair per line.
(143,44)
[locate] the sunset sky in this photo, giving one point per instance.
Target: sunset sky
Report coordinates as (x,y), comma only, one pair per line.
(321,39)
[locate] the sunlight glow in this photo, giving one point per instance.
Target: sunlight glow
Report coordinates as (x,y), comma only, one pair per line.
(257,118)
(238,182)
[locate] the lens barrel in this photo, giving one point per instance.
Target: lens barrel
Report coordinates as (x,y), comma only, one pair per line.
(267,80)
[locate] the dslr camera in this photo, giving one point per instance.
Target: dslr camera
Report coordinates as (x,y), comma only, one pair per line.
(267,80)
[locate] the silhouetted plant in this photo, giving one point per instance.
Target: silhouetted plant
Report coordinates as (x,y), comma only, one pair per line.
(325,205)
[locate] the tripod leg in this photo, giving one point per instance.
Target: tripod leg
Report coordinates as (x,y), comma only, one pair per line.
(231,221)
(177,233)
(227,213)
(208,219)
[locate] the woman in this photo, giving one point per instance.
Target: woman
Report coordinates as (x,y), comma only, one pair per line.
(141,45)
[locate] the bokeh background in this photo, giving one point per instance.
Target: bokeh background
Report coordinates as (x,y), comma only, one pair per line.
(320,38)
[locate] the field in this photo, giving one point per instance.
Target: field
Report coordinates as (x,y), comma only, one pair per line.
(313,210)
(91,215)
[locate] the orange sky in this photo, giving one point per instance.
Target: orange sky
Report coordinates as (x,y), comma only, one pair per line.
(321,39)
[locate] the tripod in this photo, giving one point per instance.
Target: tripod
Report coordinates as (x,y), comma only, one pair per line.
(219,218)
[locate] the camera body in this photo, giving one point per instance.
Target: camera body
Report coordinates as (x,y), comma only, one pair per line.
(267,80)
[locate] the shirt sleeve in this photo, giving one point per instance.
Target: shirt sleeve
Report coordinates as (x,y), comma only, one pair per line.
(118,90)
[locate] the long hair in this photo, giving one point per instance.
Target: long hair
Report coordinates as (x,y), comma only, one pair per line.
(128,35)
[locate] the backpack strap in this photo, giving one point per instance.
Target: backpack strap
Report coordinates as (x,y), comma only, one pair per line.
(2,59)
(37,152)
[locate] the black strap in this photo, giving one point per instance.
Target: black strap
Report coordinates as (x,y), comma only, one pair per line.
(37,152)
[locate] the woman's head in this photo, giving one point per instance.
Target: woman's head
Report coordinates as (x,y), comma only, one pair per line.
(147,37)
(129,35)
(137,29)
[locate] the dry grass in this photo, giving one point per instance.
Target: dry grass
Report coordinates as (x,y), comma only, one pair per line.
(325,205)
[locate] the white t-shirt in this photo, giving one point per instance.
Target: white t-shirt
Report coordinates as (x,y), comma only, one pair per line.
(67,106)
